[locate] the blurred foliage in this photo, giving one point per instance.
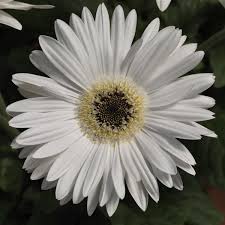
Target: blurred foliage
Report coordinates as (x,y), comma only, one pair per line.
(22,202)
(190,206)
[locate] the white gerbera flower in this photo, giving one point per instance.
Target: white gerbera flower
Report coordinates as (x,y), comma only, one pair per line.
(163,4)
(110,114)
(8,20)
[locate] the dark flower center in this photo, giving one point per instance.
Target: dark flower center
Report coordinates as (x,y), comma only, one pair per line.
(112,109)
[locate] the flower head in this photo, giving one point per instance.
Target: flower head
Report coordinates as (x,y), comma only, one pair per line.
(8,20)
(110,114)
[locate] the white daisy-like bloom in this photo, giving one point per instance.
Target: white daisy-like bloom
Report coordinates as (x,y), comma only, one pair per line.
(8,20)
(163,4)
(111,112)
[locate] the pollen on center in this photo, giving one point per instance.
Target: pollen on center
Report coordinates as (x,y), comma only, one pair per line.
(111,111)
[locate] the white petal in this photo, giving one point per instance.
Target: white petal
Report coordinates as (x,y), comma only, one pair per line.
(93,200)
(189,47)
(103,27)
(174,147)
(117,38)
(130,29)
(186,87)
(159,52)
(113,203)
(43,86)
(149,181)
(42,169)
(55,147)
(15,145)
(95,170)
(177,182)
(8,20)
(150,31)
(68,38)
(23,6)
(128,162)
(39,104)
(138,193)
(39,60)
(27,94)
(66,199)
(169,95)
(26,151)
(182,51)
(118,173)
(77,25)
(31,163)
(107,183)
(74,155)
(173,68)
(182,40)
(78,188)
(64,61)
(200,101)
(163,177)
(81,31)
(184,166)
(130,57)
(5,1)
(204,131)
(155,155)
(173,128)
(163,4)
(34,119)
(199,82)
(90,27)
(46,133)
(46,185)
(66,183)
(144,58)
(186,113)
(29,159)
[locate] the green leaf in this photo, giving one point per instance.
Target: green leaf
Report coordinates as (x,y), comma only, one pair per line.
(19,59)
(210,154)
(217,59)
(48,202)
(7,151)
(191,206)
(92,5)
(7,203)
(125,215)
(39,218)
(185,15)
(31,194)
(4,126)
(11,175)
(33,198)
(3,107)
(9,131)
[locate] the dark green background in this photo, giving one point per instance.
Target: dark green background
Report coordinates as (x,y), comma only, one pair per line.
(22,202)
